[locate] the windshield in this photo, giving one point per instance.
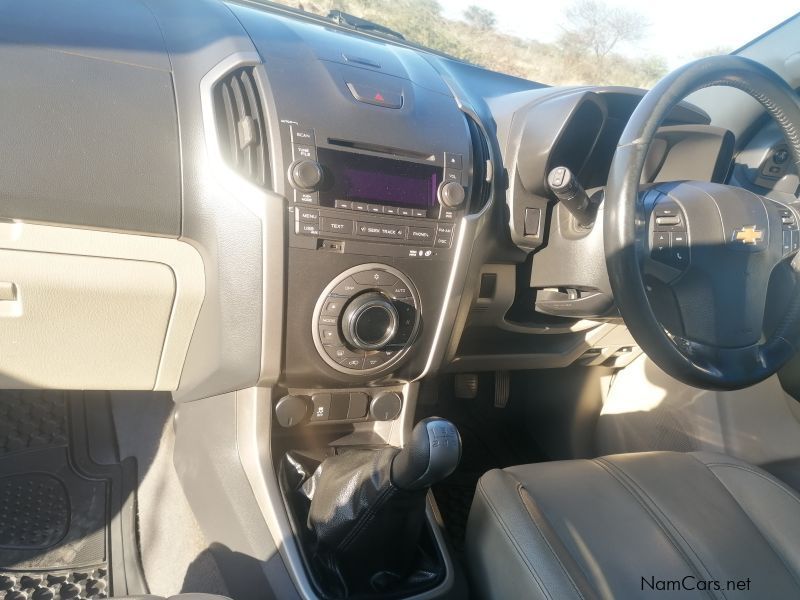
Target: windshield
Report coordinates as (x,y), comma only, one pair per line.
(614,42)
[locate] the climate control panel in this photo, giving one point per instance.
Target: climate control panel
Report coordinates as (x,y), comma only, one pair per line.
(366,319)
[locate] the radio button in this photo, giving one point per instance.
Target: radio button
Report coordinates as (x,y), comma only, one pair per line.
(390,210)
(345,204)
(375,208)
(452,175)
(302,136)
(304,151)
(306,197)
(420,213)
(341,226)
(308,215)
(405,212)
(423,235)
(453,161)
(442,241)
(444,228)
(396,232)
(308,228)
(447,214)
(360,206)
(375,277)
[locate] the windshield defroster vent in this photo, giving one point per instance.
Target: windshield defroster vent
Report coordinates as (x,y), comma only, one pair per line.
(241,129)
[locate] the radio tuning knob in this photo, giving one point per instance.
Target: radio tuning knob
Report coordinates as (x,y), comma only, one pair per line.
(305,175)
(451,194)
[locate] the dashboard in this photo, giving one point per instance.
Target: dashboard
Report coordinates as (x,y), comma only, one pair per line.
(266,198)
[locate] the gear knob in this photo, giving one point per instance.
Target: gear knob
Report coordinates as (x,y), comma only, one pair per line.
(432,453)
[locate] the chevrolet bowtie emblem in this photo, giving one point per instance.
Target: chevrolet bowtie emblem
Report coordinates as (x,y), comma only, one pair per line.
(748,235)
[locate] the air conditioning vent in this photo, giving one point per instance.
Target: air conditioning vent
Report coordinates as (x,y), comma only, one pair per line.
(241,129)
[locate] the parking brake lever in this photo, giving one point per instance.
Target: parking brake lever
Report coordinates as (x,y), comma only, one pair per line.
(571,194)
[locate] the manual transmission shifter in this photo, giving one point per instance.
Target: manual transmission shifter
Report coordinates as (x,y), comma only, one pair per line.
(431,455)
(360,499)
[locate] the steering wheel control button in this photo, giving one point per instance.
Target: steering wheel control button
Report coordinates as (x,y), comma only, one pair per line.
(668,221)
(320,407)
(375,277)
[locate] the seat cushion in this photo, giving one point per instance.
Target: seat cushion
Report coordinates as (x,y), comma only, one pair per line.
(655,524)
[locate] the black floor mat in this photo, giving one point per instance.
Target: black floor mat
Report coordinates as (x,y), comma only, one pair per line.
(67,504)
(491,438)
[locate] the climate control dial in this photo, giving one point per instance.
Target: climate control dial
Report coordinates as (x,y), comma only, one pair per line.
(366,319)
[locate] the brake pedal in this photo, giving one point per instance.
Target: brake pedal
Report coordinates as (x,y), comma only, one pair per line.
(502,388)
(466,386)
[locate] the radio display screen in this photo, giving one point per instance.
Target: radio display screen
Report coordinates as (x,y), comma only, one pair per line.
(360,177)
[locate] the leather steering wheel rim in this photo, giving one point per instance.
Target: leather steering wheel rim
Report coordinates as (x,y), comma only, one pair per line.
(624,225)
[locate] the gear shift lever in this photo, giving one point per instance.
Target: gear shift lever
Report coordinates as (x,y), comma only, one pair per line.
(362,498)
(431,454)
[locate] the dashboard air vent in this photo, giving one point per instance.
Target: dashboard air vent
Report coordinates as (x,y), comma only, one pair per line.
(241,129)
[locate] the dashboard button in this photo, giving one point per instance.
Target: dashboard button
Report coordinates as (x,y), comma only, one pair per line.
(321,407)
(302,136)
(328,320)
(453,161)
(360,206)
(304,151)
(400,291)
(447,214)
(346,204)
(359,402)
(341,226)
(309,215)
(390,210)
(442,241)
(306,197)
(329,335)
(375,208)
(348,287)
(444,228)
(417,212)
(308,228)
(368,94)
(339,353)
(452,175)
(373,361)
(405,212)
(375,277)
(423,235)
(332,306)
(392,232)
(353,363)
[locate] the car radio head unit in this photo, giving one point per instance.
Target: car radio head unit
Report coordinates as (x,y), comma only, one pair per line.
(361,177)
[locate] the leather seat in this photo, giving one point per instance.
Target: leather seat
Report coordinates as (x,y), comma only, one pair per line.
(656,524)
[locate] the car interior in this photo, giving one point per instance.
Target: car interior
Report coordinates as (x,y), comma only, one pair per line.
(291,307)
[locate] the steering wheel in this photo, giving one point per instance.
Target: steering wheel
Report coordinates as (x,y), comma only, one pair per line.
(711,248)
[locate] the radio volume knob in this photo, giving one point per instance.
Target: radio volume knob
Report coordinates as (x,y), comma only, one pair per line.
(451,194)
(370,321)
(306,175)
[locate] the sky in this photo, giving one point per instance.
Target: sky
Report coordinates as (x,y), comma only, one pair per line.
(678,30)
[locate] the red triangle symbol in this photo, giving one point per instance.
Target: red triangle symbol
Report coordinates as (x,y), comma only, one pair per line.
(379,97)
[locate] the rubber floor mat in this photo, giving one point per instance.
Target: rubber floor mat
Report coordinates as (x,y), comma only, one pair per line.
(67,504)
